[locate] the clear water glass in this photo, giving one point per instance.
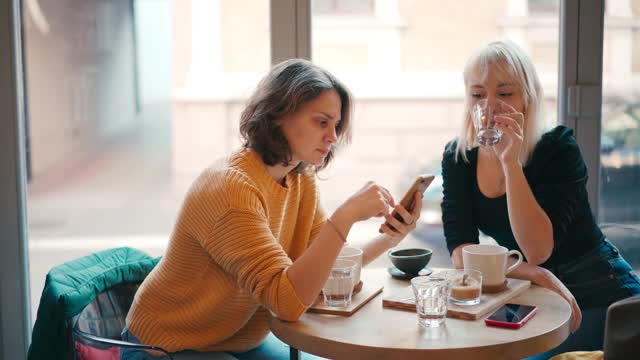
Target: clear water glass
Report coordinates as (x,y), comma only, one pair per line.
(338,289)
(483,115)
(431,295)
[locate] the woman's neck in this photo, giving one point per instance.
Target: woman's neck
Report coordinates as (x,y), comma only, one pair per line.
(279,172)
(489,175)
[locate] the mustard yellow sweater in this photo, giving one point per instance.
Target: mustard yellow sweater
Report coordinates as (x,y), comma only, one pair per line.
(226,264)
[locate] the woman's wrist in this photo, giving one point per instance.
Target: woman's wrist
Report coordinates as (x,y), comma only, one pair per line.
(511,167)
(541,276)
(343,216)
(341,222)
(389,241)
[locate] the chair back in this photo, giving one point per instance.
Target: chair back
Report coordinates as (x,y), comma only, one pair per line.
(71,286)
(105,316)
(97,329)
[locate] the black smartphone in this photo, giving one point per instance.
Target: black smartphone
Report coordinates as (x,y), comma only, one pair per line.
(421,184)
(512,316)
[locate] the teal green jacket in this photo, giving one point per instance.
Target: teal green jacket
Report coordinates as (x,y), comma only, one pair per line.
(72,286)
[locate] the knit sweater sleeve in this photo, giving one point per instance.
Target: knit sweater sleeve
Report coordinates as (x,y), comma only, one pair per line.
(319,220)
(242,244)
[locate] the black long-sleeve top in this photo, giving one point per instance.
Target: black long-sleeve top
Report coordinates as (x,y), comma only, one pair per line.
(557,176)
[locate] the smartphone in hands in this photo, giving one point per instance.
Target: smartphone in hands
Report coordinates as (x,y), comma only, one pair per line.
(421,184)
(511,316)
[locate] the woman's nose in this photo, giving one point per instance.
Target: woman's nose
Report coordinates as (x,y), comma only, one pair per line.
(492,100)
(331,135)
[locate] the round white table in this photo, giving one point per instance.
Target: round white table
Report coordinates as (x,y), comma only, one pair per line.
(374,332)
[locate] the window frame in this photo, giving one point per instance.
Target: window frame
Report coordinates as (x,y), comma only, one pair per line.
(579,106)
(580,82)
(15,308)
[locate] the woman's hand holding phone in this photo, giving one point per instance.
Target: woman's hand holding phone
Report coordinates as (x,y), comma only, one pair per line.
(396,230)
(405,215)
(372,200)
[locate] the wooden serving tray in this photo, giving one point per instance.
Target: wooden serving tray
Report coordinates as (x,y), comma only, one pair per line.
(404,300)
(368,292)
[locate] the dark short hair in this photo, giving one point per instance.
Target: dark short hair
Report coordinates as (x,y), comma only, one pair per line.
(281,92)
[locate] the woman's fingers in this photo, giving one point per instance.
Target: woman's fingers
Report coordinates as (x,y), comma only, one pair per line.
(505,108)
(577,316)
(376,198)
(387,195)
(504,121)
(407,217)
(382,198)
(385,229)
(383,206)
(408,222)
(576,313)
(417,208)
(397,224)
(410,218)
(508,130)
(517,116)
(550,281)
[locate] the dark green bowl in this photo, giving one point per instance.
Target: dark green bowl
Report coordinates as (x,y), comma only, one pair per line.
(410,261)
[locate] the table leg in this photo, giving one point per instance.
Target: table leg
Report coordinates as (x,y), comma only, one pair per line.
(294,354)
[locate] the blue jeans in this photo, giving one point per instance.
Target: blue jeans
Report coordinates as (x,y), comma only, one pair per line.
(272,348)
(599,278)
(596,279)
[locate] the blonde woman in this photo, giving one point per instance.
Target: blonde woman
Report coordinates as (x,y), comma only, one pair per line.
(528,192)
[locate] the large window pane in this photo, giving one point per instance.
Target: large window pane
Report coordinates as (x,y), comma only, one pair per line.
(126,105)
(620,150)
(403,62)
(620,141)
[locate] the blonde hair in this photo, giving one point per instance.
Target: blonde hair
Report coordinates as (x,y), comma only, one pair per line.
(507,61)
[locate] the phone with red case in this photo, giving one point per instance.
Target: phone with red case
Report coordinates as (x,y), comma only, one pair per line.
(511,316)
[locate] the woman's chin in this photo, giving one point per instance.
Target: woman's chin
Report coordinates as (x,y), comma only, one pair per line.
(317,161)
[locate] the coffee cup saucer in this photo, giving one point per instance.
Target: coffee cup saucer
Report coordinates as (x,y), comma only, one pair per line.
(399,274)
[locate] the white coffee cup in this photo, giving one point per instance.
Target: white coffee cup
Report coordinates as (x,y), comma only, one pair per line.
(355,254)
(491,260)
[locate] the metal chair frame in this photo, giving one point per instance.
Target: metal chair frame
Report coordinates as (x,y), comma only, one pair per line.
(85,337)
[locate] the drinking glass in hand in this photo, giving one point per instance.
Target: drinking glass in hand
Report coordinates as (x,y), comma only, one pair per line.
(483,114)
(431,294)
